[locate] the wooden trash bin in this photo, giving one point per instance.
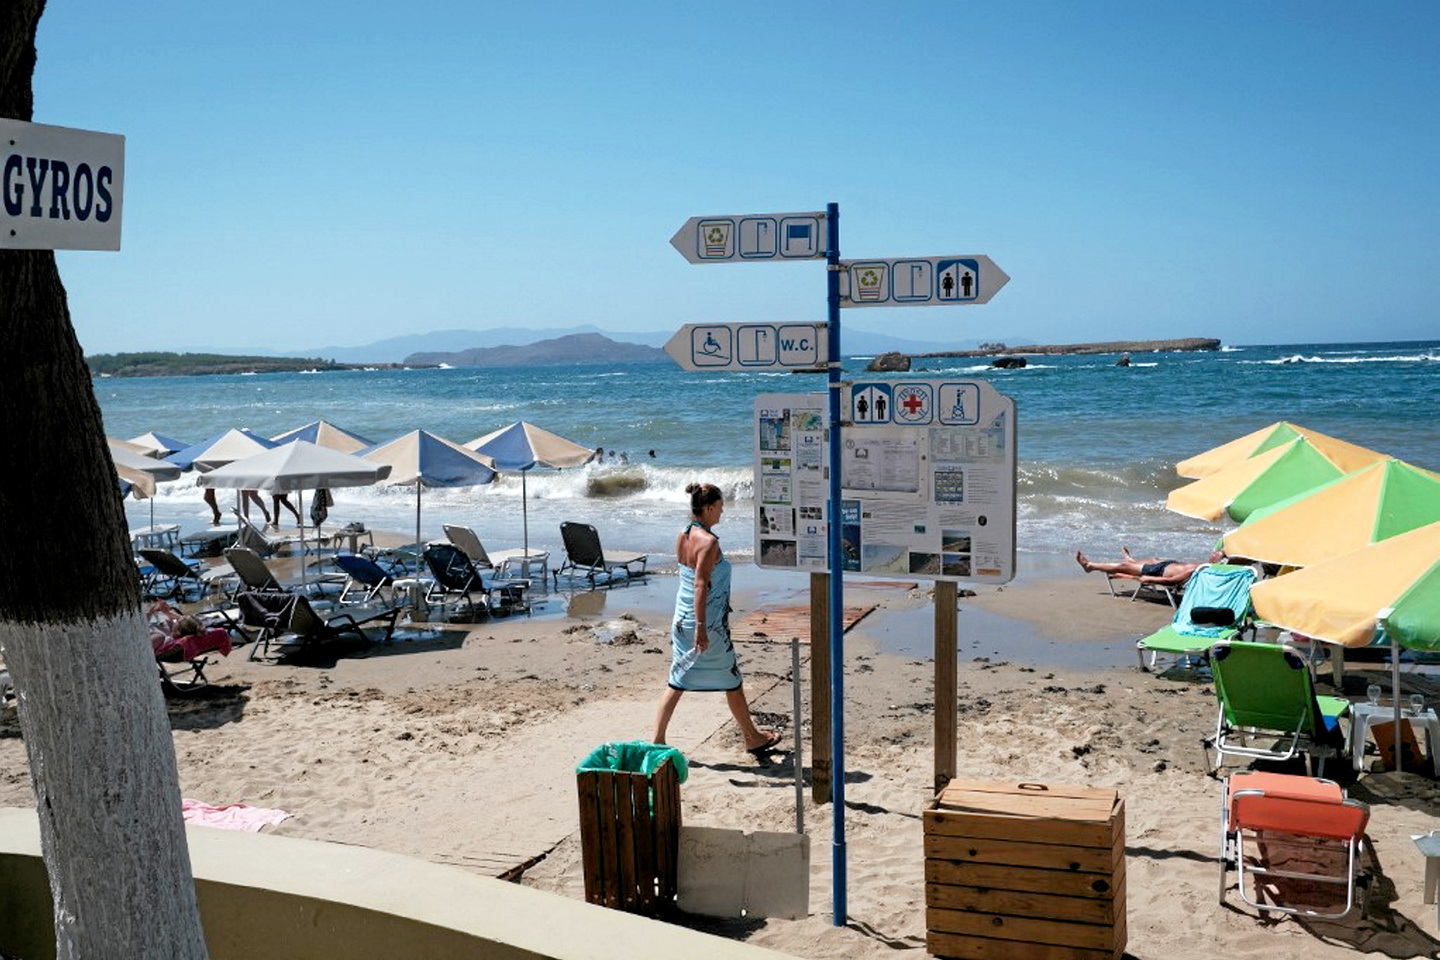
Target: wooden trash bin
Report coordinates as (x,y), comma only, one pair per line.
(1025,870)
(630,837)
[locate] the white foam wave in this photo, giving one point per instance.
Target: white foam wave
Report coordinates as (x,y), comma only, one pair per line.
(1348,358)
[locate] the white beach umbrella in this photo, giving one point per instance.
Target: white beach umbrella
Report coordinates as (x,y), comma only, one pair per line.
(297,466)
(219,450)
(154,444)
(521,447)
(426,460)
(140,471)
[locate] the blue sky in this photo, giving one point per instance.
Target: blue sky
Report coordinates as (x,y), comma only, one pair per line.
(302,173)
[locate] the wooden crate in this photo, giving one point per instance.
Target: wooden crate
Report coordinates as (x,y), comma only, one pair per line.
(1025,870)
(630,838)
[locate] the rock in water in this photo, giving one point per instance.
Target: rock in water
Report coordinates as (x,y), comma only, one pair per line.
(892,362)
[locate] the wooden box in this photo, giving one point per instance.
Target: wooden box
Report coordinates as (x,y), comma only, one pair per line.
(1025,870)
(630,838)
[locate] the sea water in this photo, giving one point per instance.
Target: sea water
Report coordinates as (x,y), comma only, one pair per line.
(1097,443)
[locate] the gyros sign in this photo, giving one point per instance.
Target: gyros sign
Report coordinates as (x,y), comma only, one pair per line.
(60,189)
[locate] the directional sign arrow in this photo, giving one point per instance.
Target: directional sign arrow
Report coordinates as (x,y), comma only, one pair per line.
(920,281)
(750,346)
(752,236)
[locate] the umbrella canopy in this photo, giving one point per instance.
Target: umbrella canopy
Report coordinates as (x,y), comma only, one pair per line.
(219,450)
(1347,456)
(521,447)
(1259,481)
(426,460)
(157,444)
(323,433)
(140,471)
(297,466)
(1365,507)
(1390,588)
(1392,585)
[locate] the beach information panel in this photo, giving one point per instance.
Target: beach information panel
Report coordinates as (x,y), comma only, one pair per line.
(927,474)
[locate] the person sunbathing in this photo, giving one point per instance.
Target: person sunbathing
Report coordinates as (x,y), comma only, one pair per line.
(1149,570)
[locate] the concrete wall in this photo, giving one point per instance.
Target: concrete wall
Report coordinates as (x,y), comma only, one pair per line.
(269,896)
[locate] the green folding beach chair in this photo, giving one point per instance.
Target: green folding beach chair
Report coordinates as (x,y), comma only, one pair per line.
(1268,706)
(1216,606)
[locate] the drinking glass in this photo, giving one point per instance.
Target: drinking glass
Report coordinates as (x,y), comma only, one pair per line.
(1372,693)
(1417,704)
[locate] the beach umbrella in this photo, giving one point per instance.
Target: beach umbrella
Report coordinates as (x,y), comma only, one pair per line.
(157,444)
(219,450)
(297,466)
(1244,487)
(323,433)
(1381,501)
(426,460)
(521,447)
(1387,591)
(138,470)
(1347,456)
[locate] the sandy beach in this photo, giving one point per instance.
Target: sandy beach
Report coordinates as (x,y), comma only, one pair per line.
(458,745)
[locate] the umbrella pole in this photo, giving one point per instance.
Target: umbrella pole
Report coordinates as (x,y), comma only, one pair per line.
(1395,695)
(419,487)
(300,496)
(525,517)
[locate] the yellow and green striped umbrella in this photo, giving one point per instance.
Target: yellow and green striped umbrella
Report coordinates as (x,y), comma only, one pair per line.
(1365,507)
(1347,456)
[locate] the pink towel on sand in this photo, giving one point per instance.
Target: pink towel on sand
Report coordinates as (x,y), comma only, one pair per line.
(230,816)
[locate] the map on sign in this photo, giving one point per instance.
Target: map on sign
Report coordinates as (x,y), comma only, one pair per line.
(748,346)
(919,281)
(759,236)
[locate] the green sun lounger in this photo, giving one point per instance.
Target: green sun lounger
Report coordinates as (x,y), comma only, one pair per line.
(1215,607)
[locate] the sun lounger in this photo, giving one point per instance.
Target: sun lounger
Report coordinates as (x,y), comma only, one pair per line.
(1216,606)
(1268,708)
(1172,592)
(288,619)
(584,555)
(1292,838)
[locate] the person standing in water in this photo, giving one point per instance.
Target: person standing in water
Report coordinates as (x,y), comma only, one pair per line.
(703,656)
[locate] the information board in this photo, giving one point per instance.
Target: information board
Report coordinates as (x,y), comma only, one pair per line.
(927,474)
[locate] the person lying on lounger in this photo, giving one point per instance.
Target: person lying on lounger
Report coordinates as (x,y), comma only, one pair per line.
(1149,570)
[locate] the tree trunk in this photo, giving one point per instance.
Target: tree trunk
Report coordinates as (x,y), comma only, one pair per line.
(102,760)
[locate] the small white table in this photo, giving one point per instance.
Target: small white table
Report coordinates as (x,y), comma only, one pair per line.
(1362,715)
(518,563)
(1429,846)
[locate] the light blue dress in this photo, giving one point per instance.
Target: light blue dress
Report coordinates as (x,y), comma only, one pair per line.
(716,668)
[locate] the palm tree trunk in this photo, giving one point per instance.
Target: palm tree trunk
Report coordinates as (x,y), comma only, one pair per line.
(98,739)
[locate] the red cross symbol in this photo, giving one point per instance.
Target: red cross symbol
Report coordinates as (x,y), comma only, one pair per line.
(912,404)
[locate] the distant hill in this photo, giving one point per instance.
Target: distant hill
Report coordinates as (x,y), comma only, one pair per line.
(575,348)
(164,364)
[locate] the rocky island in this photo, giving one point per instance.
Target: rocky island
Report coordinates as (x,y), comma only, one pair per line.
(1008,356)
(1109,346)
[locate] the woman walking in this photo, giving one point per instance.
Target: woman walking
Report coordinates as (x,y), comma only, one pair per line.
(703,656)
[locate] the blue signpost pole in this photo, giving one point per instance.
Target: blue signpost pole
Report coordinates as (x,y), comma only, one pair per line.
(837,597)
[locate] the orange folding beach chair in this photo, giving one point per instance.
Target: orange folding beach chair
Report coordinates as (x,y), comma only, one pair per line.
(1297,840)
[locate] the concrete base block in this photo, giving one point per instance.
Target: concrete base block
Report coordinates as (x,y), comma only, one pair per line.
(732,873)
